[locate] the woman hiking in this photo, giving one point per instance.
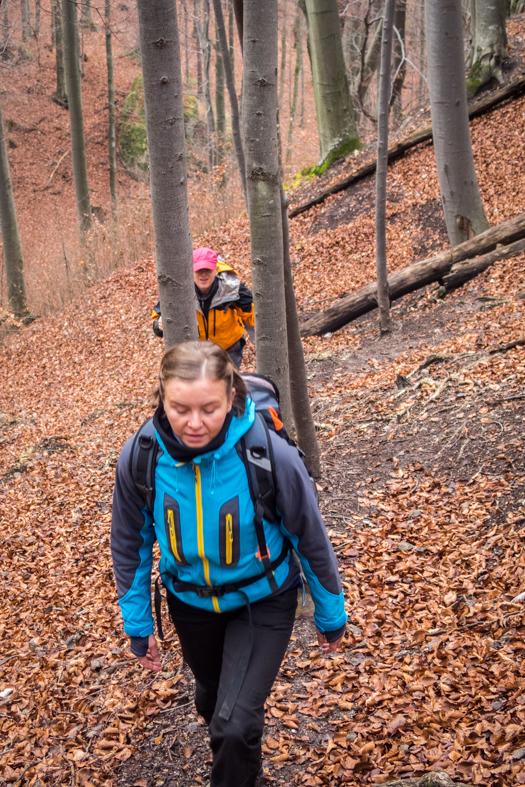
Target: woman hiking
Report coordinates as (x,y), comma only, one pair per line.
(224,305)
(233,616)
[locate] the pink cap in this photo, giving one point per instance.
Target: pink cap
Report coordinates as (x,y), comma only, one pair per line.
(204,258)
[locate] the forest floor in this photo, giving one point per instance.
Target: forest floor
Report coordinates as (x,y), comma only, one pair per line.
(422,492)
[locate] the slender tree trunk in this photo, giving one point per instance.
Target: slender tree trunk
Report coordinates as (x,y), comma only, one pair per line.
(14,269)
(186,43)
(302,82)
(220,107)
(458,183)
(238,11)
(86,17)
(264,192)
(112,141)
(400,67)
(59,51)
(383,111)
(300,400)
(230,83)
(298,46)
(205,46)
(37,18)
(76,122)
(488,43)
(231,42)
(5,23)
(161,69)
(371,61)
(196,36)
(336,118)
(26,20)
(282,71)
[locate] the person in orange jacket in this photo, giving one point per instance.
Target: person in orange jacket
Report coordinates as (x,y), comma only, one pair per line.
(224,305)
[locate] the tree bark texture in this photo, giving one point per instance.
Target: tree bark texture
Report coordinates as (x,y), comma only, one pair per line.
(220,106)
(112,141)
(26,20)
(231,43)
(76,122)
(161,69)
(416,276)
(205,46)
(263,188)
(488,43)
(383,112)
(298,46)
(282,70)
(300,399)
(510,91)
(370,62)
(14,268)
(230,84)
(196,22)
(458,183)
(59,51)
(238,12)
(336,117)
(400,66)
(86,17)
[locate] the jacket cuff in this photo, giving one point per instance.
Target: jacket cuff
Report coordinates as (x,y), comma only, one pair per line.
(139,646)
(333,636)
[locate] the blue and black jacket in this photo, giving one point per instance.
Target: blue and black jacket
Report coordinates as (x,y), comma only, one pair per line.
(203,520)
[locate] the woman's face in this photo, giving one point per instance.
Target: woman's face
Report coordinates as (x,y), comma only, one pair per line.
(196,409)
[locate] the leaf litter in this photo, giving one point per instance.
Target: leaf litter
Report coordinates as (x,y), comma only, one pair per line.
(422,492)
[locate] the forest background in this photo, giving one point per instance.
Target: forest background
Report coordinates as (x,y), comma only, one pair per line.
(421,440)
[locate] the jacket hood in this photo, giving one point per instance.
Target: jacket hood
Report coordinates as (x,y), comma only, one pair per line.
(233,429)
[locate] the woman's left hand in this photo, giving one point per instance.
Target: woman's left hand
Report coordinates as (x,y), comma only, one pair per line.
(328,647)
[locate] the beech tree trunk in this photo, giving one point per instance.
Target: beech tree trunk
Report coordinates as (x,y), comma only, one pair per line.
(220,107)
(300,399)
(161,69)
(264,192)
(370,62)
(76,122)
(26,20)
(37,18)
(205,47)
(14,268)
(59,51)
(238,12)
(458,183)
(282,70)
(336,117)
(414,277)
(230,84)
(112,142)
(488,43)
(196,36)
(86,17)
(298,46)
(383,112)
(400,67)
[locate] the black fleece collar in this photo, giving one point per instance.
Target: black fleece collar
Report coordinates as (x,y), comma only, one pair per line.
(176,449)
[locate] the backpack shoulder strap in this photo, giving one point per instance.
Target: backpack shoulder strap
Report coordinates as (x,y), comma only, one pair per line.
(143,462)
(255,451)
(257,455)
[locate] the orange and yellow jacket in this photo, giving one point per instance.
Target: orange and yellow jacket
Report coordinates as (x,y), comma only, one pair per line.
(224,312)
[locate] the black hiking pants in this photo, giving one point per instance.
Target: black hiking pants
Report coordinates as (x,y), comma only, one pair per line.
(213,646)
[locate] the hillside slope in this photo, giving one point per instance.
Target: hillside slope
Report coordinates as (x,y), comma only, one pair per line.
(422,492)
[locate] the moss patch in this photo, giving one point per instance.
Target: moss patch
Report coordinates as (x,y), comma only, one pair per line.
(133,143)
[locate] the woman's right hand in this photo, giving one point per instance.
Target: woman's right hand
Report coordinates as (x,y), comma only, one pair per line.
(151,660)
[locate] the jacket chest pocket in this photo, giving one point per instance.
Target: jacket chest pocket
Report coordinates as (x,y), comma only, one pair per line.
(229,533)
(173,531)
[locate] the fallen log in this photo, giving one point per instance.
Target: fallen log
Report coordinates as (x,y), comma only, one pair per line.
(448,265)
(395,151)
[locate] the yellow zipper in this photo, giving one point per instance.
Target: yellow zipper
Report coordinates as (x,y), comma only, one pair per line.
(173,535)
(200,533)
(229,539)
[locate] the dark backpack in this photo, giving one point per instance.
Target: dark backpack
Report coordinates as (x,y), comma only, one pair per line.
(255,450)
